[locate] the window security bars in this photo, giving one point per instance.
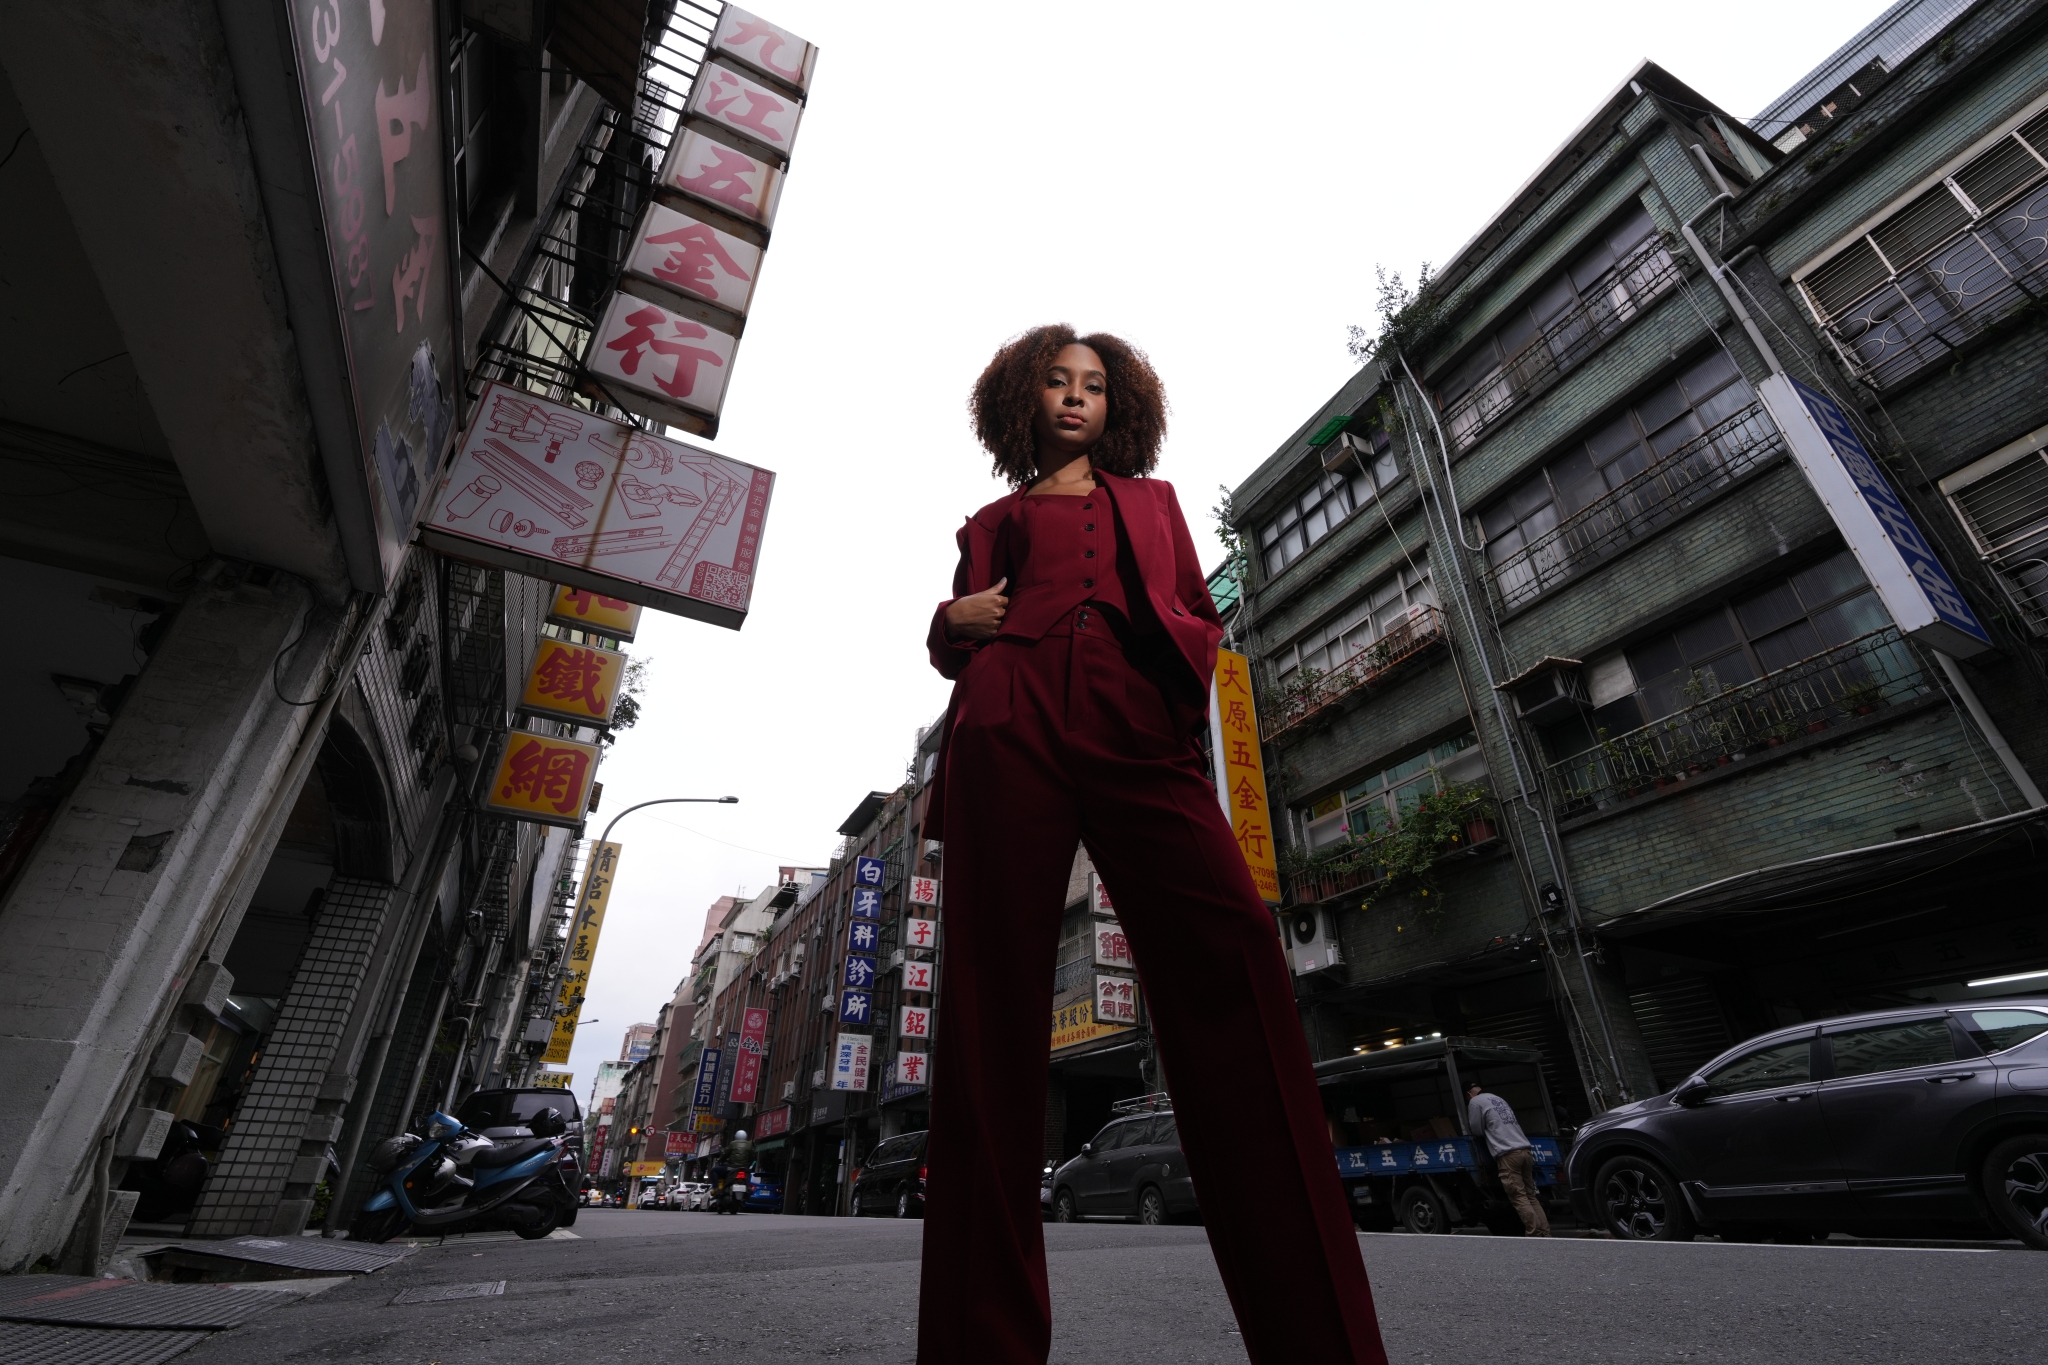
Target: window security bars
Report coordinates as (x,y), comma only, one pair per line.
(537,339)
(1878,669)
(2006,513)
(1310,692)
(1609,304)
(1947,265)
(1714,459)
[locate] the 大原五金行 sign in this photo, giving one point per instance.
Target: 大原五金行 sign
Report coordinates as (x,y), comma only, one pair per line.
(1241,770)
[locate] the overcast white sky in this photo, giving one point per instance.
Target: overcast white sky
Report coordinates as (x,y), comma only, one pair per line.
(1214,182)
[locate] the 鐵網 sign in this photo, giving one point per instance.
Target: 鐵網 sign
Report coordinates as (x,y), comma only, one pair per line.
(576,683)
(558,493)
(1241,770)
(1910,580)
(591,899)
(581,609)
(1112,949)
(542,779)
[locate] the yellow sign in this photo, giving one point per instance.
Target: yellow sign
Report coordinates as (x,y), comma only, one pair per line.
(578,609)
(647,1167)
(1240,771)
(553,1080)
(578,683)
(707,1124)
(542,779)
(1075,1023)
(591,899)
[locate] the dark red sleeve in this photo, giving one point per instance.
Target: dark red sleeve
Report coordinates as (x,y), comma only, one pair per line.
(1189,583)
(947,657)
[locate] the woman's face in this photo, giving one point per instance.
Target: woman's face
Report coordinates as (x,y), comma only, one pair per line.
(1073,406)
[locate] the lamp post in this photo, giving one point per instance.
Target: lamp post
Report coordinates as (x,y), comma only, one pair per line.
(665,801)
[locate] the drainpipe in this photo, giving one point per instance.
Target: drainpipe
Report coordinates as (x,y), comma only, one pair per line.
(1718,274)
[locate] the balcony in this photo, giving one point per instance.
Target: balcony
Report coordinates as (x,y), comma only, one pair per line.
(1606,306)
(1947,266)
(1710,461)
(1312,692)
(1853,679)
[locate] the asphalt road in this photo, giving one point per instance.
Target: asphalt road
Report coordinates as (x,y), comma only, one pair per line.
(760,1290)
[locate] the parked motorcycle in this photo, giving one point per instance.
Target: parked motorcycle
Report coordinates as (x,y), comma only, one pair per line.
(457,1180)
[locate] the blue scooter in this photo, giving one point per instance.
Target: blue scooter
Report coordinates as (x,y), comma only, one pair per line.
(457,1180)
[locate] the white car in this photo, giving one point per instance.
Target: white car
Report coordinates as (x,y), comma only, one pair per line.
(699,1195)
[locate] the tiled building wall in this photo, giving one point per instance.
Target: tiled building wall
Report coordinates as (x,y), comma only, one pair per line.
(252,1187)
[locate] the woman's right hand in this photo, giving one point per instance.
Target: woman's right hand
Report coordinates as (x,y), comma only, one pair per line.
(980,616)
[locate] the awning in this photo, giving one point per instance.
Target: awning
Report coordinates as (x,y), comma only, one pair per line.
(1991,867)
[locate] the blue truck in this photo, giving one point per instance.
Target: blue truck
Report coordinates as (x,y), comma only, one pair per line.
(1398,1121)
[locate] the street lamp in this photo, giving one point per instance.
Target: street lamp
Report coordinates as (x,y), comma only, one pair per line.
(665,801)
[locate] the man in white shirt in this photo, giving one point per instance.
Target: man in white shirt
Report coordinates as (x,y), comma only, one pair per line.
(1493,1119)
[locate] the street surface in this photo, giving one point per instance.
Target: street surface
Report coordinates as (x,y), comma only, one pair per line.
(761,1290)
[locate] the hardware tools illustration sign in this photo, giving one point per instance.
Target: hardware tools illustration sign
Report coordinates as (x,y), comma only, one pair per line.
(561,494)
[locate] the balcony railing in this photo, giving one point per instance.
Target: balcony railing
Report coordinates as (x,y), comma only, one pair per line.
(1969,282)
(1874,670)
(1607,306)
(1711,460)
(1298,701)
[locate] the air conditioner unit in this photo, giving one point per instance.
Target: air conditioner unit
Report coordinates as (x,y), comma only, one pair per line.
(1312,942)
(826,1004)
(818,1080)
(788,1089)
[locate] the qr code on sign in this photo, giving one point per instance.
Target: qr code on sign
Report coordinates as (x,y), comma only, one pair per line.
(725,586)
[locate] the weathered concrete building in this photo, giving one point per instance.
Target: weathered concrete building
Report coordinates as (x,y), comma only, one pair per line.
(1592,730)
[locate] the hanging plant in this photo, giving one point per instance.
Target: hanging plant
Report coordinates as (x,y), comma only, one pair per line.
(1437,827)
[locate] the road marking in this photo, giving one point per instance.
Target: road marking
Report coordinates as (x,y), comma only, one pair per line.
(564,1235)
(1753,1246)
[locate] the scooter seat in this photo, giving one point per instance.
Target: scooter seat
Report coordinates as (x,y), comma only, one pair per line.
(507,1153)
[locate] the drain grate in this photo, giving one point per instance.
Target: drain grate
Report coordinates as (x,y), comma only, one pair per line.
(24,1343)
(294,1253)
(440,1293)
(124,1303)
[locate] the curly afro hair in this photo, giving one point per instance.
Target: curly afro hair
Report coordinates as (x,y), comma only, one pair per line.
(1005,402)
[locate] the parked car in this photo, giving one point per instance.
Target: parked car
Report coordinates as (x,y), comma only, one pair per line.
(891,1181)
(1397,1121)
(686,1195)
(1906,1122)
(700,1196)
(1132,1170)
(764,1195)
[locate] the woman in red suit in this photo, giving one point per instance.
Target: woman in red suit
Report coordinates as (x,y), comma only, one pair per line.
(1081,639)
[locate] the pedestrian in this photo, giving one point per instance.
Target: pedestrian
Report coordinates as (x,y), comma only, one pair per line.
(1493,1118)
(1081,640)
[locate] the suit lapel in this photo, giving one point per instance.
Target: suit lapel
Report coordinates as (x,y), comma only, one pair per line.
(1144,519)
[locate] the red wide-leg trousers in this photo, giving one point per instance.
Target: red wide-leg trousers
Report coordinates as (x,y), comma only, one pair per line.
(1067,740)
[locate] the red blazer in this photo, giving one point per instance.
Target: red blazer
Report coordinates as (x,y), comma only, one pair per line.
(1165,555)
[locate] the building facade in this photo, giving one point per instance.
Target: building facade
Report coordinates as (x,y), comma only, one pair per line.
(261,910)
(1592,729)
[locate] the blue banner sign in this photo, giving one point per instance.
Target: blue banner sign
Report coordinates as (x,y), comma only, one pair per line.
(860,972)
(862,936)
(707,1080)
(1438,1154)
(856,1007)
(867,871)
(867,903)
(1916,590)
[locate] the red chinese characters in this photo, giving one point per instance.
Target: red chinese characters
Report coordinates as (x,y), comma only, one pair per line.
(575,675)
(680,254)
(538,773)
(650,349)
(747,107)
(724,177)
(754,42)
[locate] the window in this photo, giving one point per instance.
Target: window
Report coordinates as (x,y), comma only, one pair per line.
(1334,496)
(2002,501)
(1997,1030)
(1393,600)
(1941,264)
(1707,393)
(1379,801)
(1892,1047)
(1765,1069)
(1625,267)
(1129,1133)
(1736,642)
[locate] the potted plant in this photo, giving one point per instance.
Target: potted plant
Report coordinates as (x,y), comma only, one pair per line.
(1781,730)
(1860,699)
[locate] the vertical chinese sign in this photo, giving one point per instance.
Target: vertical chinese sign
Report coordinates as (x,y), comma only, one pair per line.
(664,344)
(580,609)
(746,1076)
(542,779)
(591,900)
(371,82)
(576,683)
(1241,771)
